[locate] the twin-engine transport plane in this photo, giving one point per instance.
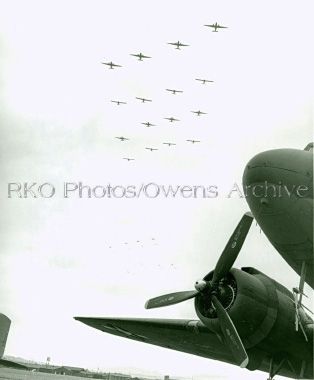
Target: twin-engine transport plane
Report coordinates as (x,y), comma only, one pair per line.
(216,26)
(111,64)
(245,317)
(178,44)
(140,56)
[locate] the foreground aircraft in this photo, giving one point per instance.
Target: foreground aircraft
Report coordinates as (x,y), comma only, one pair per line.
(245,317)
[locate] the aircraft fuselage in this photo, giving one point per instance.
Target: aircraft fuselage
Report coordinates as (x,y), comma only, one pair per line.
(278,185)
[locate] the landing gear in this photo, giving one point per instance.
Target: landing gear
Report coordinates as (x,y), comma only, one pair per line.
(276,364)
(297,295)
(274,369)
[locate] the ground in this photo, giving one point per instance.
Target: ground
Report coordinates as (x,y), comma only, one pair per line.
(16,374)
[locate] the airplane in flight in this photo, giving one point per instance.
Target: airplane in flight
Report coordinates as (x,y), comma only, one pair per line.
(204,81)
(148,124)
(128,159)
(171,119)
(169,143)
(177,44)
(140,56)
(111,65)
(143,99)
(122,138)
(216,26)
(174,92)
(199,113)
(118,102)
(151,149)
(193,141)
(246,318)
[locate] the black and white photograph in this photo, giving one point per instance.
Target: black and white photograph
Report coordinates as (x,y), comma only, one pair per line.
(156,189)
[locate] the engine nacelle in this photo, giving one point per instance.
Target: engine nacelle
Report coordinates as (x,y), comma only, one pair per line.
(261,309)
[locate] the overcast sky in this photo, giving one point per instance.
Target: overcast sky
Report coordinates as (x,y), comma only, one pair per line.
(68,257)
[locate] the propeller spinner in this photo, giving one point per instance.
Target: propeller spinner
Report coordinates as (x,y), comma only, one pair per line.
(223,266)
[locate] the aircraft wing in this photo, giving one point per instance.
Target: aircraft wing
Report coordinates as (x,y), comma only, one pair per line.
(184,335)
(11,364)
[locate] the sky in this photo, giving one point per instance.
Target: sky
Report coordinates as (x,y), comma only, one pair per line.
(79,256)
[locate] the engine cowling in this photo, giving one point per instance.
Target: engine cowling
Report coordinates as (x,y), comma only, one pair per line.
(260,308)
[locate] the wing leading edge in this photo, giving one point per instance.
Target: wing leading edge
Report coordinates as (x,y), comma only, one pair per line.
(189,336)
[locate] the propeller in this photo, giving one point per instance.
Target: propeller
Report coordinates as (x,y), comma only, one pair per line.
(223,266)
(231,335)
(233,247)
(170,299)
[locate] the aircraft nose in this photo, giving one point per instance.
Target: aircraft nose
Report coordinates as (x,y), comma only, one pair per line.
(258,169)
(277,174)
(279,166)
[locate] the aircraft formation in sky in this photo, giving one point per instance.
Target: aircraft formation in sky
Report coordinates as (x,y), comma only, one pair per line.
(173,91)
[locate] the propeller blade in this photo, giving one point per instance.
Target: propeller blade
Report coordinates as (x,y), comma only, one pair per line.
(170,299)
(231,335)
(233,247)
